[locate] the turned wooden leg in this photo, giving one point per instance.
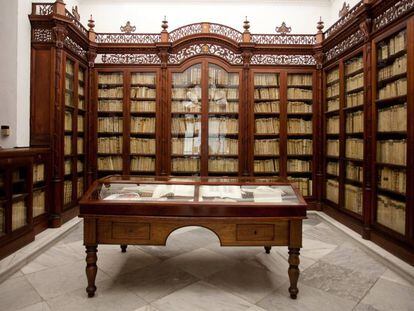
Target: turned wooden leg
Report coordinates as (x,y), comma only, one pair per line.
(267,249)
(293,271)
(123,248)
(91,268)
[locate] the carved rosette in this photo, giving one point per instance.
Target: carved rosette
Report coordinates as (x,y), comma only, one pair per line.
(345,45)
(42,35)
(392,13)
(273,59)
(210,49)
(140,59)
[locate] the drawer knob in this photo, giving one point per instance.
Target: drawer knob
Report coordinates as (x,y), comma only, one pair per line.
(255,232)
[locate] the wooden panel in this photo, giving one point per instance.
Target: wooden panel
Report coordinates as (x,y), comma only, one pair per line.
(129,230)
(255,232)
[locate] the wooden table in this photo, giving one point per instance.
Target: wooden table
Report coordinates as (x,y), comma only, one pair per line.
(114,216)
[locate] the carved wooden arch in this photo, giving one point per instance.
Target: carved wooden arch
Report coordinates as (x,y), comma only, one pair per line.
(174,227)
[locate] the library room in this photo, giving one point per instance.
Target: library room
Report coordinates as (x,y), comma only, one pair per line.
(223,155)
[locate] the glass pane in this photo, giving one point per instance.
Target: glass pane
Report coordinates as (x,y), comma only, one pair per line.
(80,187)
(81,89)
(38,172)
(67,192)
(391,213)
(19,197)
(69,83)
(186,121)
(38,203)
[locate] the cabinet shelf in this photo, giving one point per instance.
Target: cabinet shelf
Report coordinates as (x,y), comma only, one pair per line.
(355,90)
(391,101)
(354,73)
(353,108)
(384,82)
(388,61)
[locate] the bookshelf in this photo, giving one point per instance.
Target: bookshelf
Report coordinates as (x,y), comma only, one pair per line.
(391,132)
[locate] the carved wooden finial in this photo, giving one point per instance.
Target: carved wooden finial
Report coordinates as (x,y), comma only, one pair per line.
(320,25)
(128,28)
(91,24)
(246,25)
(283,29)
(164,24)
(344,10)
(75,13)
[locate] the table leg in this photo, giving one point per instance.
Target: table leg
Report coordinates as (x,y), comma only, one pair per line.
(293,271)
(124,248)
(267,249)
(91,268)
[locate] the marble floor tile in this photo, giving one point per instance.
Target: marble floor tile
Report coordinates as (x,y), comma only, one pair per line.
(351,257)
(312,220)
(364,307)
(248,281)
(389,296)
(16,275)
(40,306)
(109,296)
(336,280)
(147,308)
(56,281)
(309,299)
(315,249)
(237,252)
(326,233)
(75,236)
(201,262)
(156,281)
(17,293)
(390,275)
(201,296)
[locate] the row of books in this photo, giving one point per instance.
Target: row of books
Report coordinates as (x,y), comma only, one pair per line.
(354,172)
(267,107)
(332,190)
(333,104)
(39,203)
(81,90)
(67,167)
(354,82)
(223,165)
(298,107)
(142,125)
(266,166)
(393,89)
(69,68)
(193,93)
(332,168)
(219,76)
(179,106)
(187,146)
(80,145)
(353,199)
(112,78)
(355,122)
(391,213)
(69,84)
(144,164)
(299,79)
(218,107)
(69,99)
(38,172)
(392,179)
(267,126)
(396,44)
(353,65)
(143,106)
(81,123)
(270,93)
(354,148)
(393,119)
(143,92)
(111,163)
(399,66)
(223,146)
(332,147)
(80,187)
(332,75)
(220,94)
(19,214)
(185,164)
(354,99)
(110,125)
(143,78)
(266,147)
(110,144)
(67,145)
(332,90)
(299,126)
(188,126)
(79,166)
(81,75)
(81,103)
(332,125)
(303,184)
(296,165)
(298,93)
(217,126)
(67,192)
(110,105)
(392,151)
(266,79)
(190,76)
(142,145)
(115,92)
(299,147)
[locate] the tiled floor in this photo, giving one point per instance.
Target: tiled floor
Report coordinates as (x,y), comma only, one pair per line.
(193,273)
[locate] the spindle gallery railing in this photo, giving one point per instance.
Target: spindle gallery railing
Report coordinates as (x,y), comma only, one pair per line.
(344,19)
(134,38)
(283,39)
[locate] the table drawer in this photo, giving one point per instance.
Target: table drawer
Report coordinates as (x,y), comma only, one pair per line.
(130,230)
(255,232)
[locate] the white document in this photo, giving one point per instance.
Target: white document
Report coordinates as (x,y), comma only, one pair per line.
(230,192)
(267,194)
(173,191)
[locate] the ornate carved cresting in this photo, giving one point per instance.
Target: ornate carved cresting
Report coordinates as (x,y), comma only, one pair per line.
(210,49)
(43,9)
(76,23)
(272,59)
(128,28)
(128,38)
(344,10)
(344,19)
(41,35)
(141,59)
(184,32)
(74,47)
(284,39)
(283,29)
(75,13)
(227,32)
(345,45)
(392,13)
